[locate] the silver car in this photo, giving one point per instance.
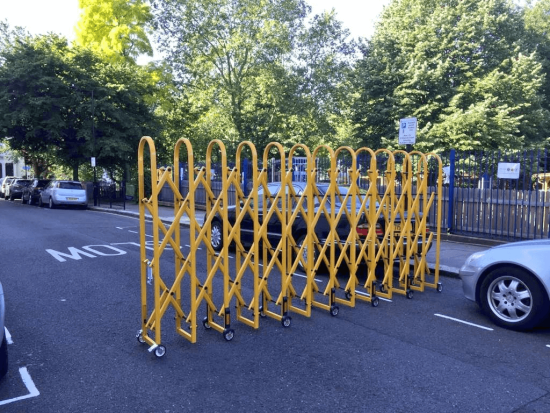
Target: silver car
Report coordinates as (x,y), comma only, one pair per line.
(59,192)
(511,283)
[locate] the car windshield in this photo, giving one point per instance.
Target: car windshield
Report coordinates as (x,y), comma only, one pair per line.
(43,182)
(23,181)
(70,185)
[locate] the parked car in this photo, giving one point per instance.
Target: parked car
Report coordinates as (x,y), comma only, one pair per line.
(511,283)
(299,227)
(5,184)
(32,191)
(68,193)
(3,339)
(15,189)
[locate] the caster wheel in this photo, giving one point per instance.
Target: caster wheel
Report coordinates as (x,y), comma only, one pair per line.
(375,301)
(348,295)
(205,323)
(382,288)
(410,294)
(439,287)
(262,314)
(286,321)
(334,310)
(139,337)
(228,334)
(160,351)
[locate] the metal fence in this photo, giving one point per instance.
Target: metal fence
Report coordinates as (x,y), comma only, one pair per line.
(112,194)
(477,200)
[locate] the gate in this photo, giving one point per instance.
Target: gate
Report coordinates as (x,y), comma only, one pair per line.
(360,227)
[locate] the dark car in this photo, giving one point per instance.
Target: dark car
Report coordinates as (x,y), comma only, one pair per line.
(299,227)
(15,189)
(32,191)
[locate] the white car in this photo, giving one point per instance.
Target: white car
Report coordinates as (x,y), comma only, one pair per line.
(70,193)
(511,283)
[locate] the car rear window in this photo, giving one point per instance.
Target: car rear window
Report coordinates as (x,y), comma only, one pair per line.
(70,185)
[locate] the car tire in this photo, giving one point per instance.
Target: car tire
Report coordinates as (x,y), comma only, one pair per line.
(51,205)
(23,200)
(30,200)
(4,357)
(299,242)
(11,197)
(216,235)
(514,299)
(40,203)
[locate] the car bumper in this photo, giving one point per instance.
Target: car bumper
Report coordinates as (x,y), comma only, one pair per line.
(62,200)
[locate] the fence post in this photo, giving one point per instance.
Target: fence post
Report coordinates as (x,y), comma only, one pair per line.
(451,191)
(245,176)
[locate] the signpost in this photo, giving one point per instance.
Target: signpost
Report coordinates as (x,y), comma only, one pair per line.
(407,132)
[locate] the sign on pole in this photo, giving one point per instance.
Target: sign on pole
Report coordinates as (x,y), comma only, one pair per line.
(93,161)
(407,131)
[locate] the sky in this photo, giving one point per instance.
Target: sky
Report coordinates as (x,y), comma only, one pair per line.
(60,16)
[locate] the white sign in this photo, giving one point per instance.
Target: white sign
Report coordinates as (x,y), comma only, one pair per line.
(508,170)
(407,131)
(93,162)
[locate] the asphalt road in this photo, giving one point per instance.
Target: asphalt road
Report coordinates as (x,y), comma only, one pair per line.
(73,324)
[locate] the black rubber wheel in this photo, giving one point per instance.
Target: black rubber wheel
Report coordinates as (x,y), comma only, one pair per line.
(286,321)
(140,338)
(375,301)
(439,287)
(216,235)
(51,205)
(228,334)
(348,295)
(513,299)
(334,310)
(160,351)
(40,203)
(410,294)
(4,357)
(205,323)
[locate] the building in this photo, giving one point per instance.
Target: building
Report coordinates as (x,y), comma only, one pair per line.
(9,167)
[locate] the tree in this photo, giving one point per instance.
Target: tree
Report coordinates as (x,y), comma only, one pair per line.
(70,105)
(460,67)
(115,29)
(220,49)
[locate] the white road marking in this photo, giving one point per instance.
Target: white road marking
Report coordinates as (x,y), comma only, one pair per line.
(463,322)
(33,391)
(8,335)
(305,276)
(368,295)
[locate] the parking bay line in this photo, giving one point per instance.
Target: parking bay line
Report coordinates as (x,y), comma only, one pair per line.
(463,322)
(27,380)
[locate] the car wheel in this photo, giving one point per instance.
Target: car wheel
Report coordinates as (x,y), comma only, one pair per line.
(301,240)
(30,200)
(216,235)
(4,357)
(11,197)
(40,203)
(51,205)
(514,299)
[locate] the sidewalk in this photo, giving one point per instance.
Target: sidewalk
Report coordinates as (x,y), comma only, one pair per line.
(453,250)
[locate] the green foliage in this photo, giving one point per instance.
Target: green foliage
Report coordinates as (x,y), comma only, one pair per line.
(68,105)
(252,70)
(115,29)
(461,67)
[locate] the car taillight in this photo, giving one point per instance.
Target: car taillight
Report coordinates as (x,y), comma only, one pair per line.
(363,229)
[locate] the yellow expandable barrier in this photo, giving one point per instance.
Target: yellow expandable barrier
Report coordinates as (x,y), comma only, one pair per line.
(266,245)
